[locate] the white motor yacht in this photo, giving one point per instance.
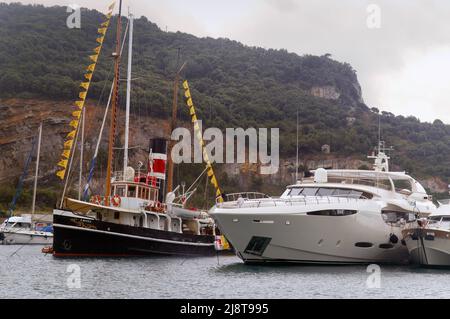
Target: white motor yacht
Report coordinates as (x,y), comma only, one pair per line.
(428,240)
(338,216)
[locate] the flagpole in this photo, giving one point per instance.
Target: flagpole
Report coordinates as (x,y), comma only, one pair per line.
(115,102)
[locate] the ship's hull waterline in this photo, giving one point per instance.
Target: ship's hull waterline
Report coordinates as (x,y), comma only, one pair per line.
(428,247)
(84,237)
(25,238)
(300,238)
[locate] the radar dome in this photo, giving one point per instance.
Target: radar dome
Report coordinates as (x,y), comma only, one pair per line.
(320,176)
(129,174)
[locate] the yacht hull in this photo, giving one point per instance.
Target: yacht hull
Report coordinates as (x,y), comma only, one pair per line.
(428,247)
(80,236)
(301,238)
(25,237)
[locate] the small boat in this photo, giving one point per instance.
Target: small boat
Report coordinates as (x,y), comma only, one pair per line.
(19,230)
(428,240)
(26,229)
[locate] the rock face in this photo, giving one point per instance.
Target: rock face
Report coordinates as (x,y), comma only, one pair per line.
(19,126)
(20,121)
(327,92)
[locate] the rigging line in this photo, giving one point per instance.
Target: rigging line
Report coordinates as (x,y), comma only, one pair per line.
(69,169)
(198,178)
(18,193)
(94,158)
(112,69)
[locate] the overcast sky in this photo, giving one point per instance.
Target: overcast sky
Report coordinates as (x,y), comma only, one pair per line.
(403,66)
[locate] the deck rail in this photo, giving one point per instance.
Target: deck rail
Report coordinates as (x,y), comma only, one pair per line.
(244,202)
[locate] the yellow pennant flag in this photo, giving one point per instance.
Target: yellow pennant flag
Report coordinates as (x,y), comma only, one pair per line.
(88,76)
(74,124)
(66,153)
(85,85)
(91,67)
(105,24)
(61,174)
(189,103)
(80,104)
(76,114)
(68,144)
(101,31)
(93,58)
(97,49)
(187,94)
(100,39)
(109,15)
(71,135)
(82,95)
(214,181)
(210,172)
(192,110)
(185,85)
(194,118)
(63,163)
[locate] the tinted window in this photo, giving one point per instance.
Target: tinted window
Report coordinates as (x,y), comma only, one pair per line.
(309,191)
(355,193)
(342,192)
(325,192)
(333,212)
(295,191)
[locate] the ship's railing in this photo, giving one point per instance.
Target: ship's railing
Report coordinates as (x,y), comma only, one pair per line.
(142,177)
(246,195)
(290,201)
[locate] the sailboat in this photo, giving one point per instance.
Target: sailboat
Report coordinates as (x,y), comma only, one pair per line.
(26,229)
(132,218)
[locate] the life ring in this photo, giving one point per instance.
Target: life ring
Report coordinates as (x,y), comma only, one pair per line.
(116,200)
(158,207)
(96,199)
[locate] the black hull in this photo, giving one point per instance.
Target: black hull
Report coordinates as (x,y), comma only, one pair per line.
(80,237)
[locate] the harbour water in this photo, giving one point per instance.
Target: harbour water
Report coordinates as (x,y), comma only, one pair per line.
(27,273)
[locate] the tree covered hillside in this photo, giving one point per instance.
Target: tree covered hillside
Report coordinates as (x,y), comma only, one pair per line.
(233,85)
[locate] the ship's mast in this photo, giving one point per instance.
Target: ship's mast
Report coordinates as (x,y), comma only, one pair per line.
(33,205)
(80,178)
(115,100)
(127,111)
(296,154)
(173,124)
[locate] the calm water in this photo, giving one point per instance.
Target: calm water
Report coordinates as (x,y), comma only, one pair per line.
(30,274)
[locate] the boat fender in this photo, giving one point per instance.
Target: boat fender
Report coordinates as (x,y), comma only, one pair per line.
(116,200)
(393,238)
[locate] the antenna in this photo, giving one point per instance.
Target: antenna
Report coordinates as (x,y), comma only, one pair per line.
(128,98)
(296,155)
(379,132)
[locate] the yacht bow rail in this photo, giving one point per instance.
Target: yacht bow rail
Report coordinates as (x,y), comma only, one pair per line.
(243,202)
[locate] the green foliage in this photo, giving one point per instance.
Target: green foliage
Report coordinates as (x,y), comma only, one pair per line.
(233,85)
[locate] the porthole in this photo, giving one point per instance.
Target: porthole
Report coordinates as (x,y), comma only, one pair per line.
(363,244)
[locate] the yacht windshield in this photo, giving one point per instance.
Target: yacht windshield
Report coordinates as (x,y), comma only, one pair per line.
(326,191)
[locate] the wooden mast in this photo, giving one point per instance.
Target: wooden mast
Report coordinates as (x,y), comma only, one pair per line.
(115,100)
(173,124)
